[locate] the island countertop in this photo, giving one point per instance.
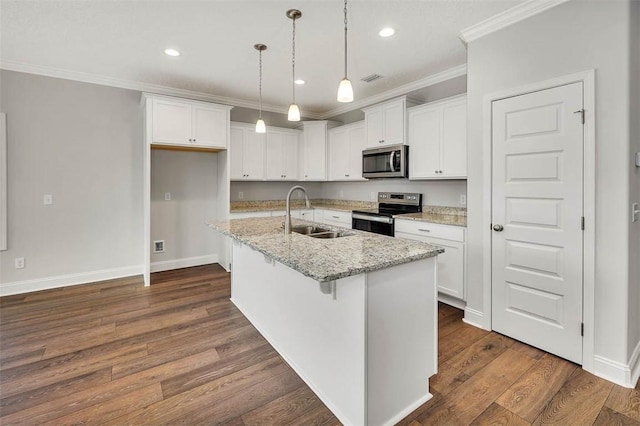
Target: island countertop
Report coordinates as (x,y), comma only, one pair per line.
(324,259)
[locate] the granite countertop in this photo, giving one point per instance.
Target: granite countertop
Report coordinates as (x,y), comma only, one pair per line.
(324,259)
(443,219)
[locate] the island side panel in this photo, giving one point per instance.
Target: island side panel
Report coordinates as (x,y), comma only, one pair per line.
(401,339)
(321,338)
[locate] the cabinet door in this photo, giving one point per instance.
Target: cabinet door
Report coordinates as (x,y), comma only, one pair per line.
(274,155)
(339,152)
(171,122)
(450,267)
(254,153)
(315,153)
(394,123)
(374,126)
(356,145)
(210,127)
(290,156)
(236,151)
(454,141)
(424,139)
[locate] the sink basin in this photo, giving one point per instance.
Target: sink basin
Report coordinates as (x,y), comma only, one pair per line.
(317,232)
(308,229)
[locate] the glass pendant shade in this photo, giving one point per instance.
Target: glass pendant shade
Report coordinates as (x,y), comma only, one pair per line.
(294,113)
(345,91)
(260,126)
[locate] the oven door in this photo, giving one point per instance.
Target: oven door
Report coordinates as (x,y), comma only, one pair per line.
(376,224)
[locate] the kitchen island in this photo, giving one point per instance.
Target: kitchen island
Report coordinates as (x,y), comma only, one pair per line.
(354,316)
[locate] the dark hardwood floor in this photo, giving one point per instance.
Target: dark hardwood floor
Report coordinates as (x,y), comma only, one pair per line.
(179,352)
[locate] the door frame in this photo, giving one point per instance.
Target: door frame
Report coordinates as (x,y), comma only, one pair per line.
(587,78)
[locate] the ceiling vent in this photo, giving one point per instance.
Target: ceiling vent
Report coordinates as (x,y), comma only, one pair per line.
(371,77)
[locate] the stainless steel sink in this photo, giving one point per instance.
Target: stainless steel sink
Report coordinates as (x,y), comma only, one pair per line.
(317,232)
(308,229)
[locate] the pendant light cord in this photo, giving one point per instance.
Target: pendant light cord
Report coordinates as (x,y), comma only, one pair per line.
(260,84)
(293,61)
(345,39)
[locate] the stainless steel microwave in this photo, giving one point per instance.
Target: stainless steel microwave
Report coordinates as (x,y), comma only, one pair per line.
(386,162)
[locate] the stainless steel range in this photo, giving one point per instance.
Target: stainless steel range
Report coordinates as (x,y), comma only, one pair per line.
(380,220)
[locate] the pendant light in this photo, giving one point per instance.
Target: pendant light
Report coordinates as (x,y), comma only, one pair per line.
(260,126)
(294,111)
(345,91)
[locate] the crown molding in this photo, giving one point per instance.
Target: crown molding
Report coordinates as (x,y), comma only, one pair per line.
(398,91)
(508,17)
(140,86)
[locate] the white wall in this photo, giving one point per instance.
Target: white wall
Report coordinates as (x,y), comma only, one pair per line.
(191,178)
(572,37)
(81,143)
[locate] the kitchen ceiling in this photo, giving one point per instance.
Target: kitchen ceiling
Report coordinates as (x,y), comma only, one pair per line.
(124,41)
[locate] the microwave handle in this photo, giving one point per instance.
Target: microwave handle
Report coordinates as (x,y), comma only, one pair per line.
(391,157)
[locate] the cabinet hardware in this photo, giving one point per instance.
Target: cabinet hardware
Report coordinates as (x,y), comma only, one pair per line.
(336,217)
(424,230)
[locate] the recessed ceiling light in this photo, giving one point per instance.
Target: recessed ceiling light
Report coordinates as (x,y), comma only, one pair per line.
(387,32)
(299,81)
(171,52)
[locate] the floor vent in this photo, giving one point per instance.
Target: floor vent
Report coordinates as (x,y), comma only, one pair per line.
(371,77)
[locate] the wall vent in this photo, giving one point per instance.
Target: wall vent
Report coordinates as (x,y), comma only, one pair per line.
(158,246)
(371,77)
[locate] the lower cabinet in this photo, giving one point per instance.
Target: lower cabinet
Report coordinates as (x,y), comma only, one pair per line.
(451,263)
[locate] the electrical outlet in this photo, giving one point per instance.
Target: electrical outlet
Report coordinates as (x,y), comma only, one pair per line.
(463,199)
(635,212)
(167,196)
(19,262)
(240,195)
(158,246)
(48,199)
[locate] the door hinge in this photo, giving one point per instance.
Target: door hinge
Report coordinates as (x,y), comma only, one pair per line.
(582,329)
(581,111)
(582,223)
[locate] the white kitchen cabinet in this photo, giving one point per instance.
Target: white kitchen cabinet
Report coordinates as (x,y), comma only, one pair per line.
(386,123)
(345,152)
(306,214)
(314,150)
(438,140)
(282,158)
(189,123)
(333,217)
(451,263)
(247,151)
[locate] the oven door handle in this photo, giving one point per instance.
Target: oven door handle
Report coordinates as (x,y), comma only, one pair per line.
(381,219)
(391,158)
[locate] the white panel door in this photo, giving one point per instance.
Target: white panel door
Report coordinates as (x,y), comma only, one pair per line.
(537,199)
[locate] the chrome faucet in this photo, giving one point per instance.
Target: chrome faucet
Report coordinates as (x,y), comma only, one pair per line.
(287,218)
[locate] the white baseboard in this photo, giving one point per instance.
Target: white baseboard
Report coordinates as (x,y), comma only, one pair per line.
(474,318)
(27,286)
(625,375)
(187,262)
(452,301)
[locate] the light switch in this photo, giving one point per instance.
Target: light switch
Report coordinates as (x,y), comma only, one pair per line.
(48,199)
(635,212)
(167,196)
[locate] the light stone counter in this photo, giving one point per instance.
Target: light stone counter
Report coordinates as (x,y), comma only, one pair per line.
(297,204)
(324,259)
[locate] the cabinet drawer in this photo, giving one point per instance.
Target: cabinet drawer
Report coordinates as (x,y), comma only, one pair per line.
(334,216)
(433,230)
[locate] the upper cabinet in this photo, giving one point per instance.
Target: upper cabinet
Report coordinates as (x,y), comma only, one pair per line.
(282,154)
(345,152)
(247,152)
(386,123)
(186,123)
(438,140)
(314,150)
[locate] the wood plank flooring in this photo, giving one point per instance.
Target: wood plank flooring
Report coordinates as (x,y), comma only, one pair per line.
(179,352)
